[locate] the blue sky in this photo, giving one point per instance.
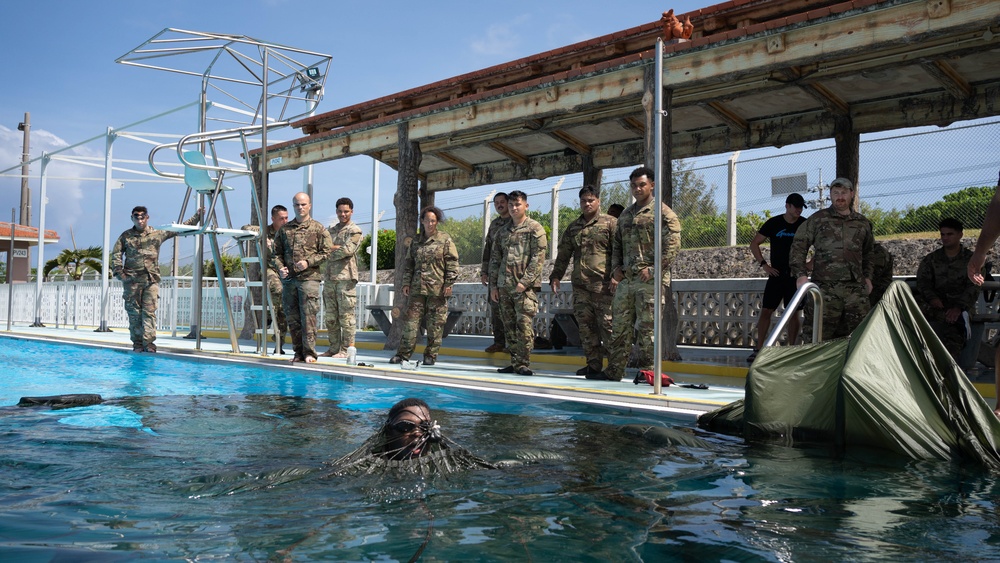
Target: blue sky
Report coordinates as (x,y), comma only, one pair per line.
(60,67)
(64,74)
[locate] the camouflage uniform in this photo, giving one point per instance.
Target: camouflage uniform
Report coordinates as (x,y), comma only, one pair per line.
(947,279)
(633,305)
(517,256)
(306,240)
(140,275)
(339,294)
(882,265)
(431,266)
(842,261)
(588,244)
(496,323)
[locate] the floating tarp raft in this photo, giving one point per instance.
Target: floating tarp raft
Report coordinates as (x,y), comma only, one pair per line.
(890,385)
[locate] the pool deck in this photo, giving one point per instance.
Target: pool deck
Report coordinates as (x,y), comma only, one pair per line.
(462,364)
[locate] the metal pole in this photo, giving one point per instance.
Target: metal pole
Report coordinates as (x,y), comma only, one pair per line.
(375,221)
(105,253)
(25,158)
(307,174)
(262,210)
(554,243)
(199,240)
(731,203)
(10,264)
(373,252)
(41,244)
(658,229)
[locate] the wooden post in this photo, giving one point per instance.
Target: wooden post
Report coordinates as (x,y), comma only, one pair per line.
(848,154)
(405,202)
(591,176)
(426,197)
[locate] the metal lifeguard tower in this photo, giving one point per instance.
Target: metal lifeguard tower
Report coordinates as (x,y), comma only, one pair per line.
(262,86)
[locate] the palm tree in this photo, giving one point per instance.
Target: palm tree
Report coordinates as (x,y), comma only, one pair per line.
(75,262)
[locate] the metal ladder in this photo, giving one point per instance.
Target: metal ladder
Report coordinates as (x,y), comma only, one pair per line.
(252,243)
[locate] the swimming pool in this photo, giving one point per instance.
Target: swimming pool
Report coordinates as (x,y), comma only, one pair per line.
(200,459)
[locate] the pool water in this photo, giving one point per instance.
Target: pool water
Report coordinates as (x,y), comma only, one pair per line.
(204,460)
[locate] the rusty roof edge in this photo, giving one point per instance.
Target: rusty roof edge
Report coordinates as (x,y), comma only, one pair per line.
(631,59)
(635,59)
(652,29)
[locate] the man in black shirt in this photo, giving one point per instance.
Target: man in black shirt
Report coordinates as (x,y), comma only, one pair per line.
(780,286)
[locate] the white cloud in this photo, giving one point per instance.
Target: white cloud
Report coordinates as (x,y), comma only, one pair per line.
(500,39)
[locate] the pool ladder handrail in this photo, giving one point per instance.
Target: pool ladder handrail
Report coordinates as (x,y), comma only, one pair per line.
(810,289)
(197,177)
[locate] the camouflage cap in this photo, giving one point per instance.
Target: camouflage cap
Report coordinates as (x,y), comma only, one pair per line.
(843,183)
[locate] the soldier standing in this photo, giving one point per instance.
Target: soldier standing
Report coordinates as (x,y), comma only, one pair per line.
(429,272)
(587,242)
(516,262)
(780,287)
(279,216)
(634,260)
(944,291)
(340,281)
(300,247)
(499,338)
(842,264)
(135,260)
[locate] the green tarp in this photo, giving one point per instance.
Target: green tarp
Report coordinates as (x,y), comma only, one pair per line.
(890,385)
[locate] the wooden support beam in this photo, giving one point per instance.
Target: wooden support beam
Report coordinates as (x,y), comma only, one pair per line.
(949,78)
(578,146)
(634,125)
(455,161)
(727,115)
(830,101)
(509,152)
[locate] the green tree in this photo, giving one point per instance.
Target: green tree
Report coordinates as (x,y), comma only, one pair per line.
(883,222)
(75,262)
(231,267)
(967,205)
(467,234)
(386,250)
(692,196)
(3,272)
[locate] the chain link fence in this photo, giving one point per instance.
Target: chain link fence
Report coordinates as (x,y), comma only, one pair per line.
(909,181)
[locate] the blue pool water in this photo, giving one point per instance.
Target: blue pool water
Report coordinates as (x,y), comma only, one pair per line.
(205,460)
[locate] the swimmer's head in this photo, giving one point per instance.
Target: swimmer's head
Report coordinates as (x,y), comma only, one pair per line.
(408,429)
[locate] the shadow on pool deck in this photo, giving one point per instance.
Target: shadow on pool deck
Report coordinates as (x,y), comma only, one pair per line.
(462,363)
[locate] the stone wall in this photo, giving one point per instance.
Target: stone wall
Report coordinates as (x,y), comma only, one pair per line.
(737,262)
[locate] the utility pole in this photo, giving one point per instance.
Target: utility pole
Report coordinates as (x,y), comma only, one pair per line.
(25,157)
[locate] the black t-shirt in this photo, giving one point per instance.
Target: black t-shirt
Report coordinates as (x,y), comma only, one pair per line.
(781,234)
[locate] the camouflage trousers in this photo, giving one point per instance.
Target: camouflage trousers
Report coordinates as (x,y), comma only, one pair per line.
(517,311)
(141,299)
(845,305)
(300,300)
(952,335)
(434,308)
(632,311)
(274,288)
(340,298)
(593,315)
(496,322)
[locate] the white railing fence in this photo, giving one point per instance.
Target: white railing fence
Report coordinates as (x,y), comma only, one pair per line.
(712,312)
